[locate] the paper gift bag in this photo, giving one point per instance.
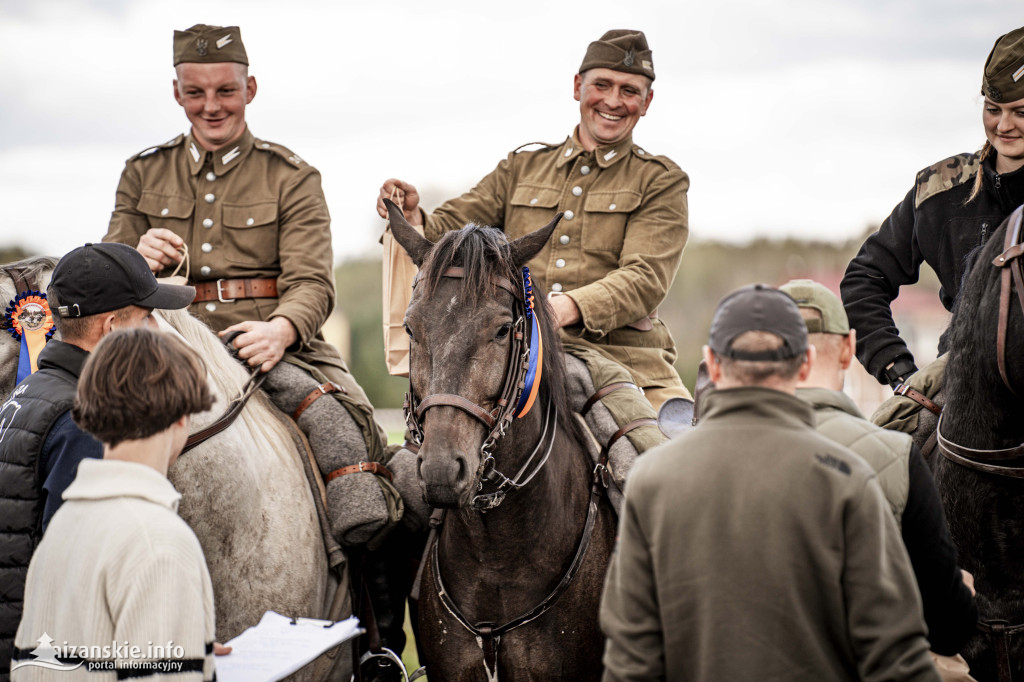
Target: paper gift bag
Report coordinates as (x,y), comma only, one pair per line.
(398,274)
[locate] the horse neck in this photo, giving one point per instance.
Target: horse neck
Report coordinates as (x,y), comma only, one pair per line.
(980,411)
(536,525)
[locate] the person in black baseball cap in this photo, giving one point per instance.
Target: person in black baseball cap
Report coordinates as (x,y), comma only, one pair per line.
(101,278)
(758,338)
(94,290)
(761,515)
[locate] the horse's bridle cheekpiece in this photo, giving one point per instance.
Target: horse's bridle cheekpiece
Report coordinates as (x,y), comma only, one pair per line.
(518,393)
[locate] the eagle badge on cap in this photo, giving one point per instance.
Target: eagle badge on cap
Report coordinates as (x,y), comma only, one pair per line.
(630,58)
(202,47)
(994,93)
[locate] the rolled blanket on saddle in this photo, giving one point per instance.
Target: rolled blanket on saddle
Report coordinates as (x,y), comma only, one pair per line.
(362,504)
(588,372)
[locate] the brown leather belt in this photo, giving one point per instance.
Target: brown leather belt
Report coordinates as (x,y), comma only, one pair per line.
(228,290)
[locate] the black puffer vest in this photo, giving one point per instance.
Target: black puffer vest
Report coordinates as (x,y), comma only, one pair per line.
(25,420)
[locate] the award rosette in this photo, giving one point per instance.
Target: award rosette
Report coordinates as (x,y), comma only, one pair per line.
(31,323)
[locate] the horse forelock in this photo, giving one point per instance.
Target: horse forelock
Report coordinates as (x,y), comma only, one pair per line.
(485,252)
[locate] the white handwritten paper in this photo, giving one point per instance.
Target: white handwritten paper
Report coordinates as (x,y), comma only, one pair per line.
(278,646)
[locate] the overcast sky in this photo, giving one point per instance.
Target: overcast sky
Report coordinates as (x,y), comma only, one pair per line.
(804,118)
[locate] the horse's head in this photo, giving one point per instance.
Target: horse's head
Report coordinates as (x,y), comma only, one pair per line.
(468,332)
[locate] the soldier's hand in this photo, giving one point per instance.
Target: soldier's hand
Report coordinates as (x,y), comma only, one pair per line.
(159,246)
(405,195)
(564,309)
(262,344)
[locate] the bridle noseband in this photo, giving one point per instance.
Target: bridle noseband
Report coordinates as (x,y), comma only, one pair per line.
(509,403)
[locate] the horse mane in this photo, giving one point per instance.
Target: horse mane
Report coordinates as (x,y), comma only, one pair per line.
(972,343)
(484,252)
(227,377)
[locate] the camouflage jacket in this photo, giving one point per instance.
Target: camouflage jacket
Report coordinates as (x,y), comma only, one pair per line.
(251,210)
(616,250)
(933,224)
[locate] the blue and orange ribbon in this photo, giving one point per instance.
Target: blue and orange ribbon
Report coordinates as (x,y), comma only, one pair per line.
(536,363)
(31,323)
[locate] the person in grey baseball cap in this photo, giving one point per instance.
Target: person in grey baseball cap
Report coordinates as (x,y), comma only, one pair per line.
(94,290)
(751,546)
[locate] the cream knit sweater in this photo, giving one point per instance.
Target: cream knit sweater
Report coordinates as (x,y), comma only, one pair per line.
(117,569)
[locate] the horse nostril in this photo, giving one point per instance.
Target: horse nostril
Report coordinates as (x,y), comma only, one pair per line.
(462,473)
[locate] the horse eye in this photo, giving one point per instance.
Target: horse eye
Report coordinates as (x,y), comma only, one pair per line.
(408,331)
(503,330)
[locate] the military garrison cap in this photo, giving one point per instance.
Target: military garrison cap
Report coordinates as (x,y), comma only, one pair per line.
(1003,80)
(209,44)
(815,296)
(760,308)
(620,50)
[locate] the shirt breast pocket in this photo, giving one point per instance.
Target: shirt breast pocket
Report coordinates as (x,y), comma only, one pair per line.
(250,233)
(605,214)
(167,211)
(533,207)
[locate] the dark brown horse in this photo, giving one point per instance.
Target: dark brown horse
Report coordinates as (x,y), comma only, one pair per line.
(979,474)
(512,585)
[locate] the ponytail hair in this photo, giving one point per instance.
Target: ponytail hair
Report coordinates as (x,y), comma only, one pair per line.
(986,151)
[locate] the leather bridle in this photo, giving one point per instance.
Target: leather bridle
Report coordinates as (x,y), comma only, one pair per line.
(495,420)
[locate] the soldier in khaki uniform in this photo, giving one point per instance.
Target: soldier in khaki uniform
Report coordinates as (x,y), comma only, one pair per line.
(251,213)
(615,253)
(255,223)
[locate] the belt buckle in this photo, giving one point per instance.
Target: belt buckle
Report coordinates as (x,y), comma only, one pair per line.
(220,293)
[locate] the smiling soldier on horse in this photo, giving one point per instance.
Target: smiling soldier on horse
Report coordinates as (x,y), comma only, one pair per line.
(248,222)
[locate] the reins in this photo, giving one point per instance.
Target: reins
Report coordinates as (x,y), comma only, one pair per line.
(235,407)
(488,636)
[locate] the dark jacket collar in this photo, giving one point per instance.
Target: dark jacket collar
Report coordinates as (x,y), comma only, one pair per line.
(59,355)
(757,404)
(1007,188)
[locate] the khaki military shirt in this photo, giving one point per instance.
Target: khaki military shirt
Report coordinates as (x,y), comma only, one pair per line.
(253,209)
(616,250)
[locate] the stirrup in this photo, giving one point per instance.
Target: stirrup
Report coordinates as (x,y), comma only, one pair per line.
(390,655)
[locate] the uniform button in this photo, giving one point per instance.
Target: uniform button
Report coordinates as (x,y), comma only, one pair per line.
(611,207)
(208,223)
(249,221)
(576,191)
(210,198)
(165,211)
(560,263)
(641,152)
(533,201)
(556,287)
(211,176)
(569,215)
(564,239)
(207,247)
(584,170)
(204,271)
(211,307)
(265,145)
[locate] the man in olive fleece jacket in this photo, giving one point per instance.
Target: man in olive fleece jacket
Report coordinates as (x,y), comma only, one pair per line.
(752,547)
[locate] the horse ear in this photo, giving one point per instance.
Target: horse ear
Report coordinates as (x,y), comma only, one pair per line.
(415,244)
(525,248)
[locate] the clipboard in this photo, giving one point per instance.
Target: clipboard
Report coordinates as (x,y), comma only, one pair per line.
(278,646)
